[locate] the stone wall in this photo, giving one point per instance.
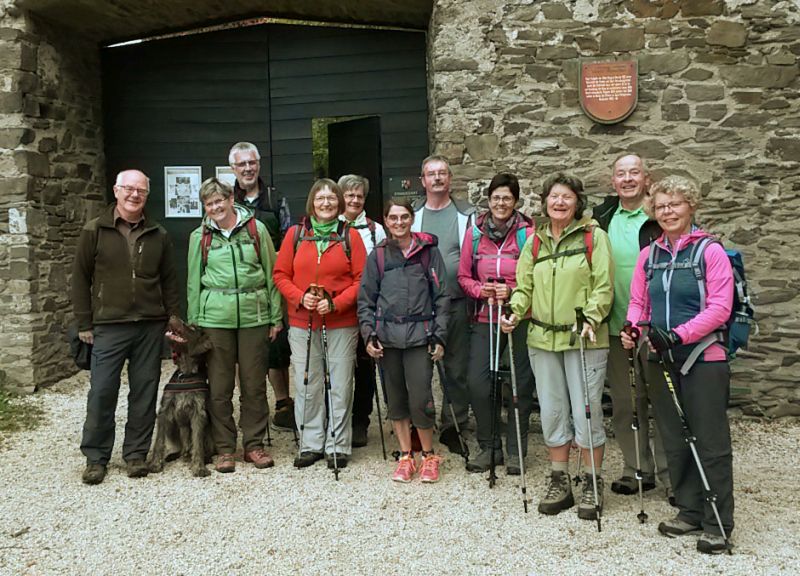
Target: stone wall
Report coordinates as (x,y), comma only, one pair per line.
(718,100)
(51,181)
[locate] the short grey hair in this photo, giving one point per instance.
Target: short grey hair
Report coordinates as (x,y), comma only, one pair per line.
(352,182)
(117,182)
(435,158)
(242,147)
(625,155)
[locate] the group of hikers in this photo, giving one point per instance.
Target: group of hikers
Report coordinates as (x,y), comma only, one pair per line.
(578,299)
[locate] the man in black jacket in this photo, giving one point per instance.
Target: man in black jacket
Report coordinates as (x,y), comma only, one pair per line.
(124,288)
(273,211)
(630,230)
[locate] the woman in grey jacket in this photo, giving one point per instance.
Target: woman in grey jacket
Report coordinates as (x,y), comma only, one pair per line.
(402,312)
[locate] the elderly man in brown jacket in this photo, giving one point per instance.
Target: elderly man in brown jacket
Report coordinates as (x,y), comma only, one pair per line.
(124,289)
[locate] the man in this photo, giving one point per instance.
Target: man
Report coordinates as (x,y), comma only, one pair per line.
(630,230)
(124,288)
(355,189)
(273,211)
(448,219)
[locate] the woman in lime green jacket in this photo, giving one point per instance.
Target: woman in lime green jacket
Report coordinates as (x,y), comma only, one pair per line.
(566,264)
(231,295)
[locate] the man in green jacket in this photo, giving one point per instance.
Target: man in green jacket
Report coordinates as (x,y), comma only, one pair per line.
(124,288)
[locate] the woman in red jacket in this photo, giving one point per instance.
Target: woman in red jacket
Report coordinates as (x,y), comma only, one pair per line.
(318,271)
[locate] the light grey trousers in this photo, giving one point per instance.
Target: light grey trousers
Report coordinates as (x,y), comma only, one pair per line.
(310,410)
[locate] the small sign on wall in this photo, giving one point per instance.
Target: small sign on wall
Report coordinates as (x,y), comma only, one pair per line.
(225,174)
(609,91)
(182,191)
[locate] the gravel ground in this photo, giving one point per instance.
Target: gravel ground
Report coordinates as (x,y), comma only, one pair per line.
(286,521)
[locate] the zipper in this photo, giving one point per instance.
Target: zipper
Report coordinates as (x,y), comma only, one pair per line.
(235,283)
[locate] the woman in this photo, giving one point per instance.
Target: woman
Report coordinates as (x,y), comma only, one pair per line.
(231,295)
(355,189)
(402,310)
(669,297)
(318,272)
(566,264)
(490,251)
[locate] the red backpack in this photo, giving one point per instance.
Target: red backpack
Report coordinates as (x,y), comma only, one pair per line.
(205,241)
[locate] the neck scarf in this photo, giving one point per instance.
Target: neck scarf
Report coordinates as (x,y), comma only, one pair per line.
(498,232)
(323,230)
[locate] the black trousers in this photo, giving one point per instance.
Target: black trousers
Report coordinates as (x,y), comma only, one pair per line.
(140,344)
(704,396)
(364,390)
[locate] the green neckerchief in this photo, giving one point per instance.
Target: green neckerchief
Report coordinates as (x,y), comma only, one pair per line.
(323,230)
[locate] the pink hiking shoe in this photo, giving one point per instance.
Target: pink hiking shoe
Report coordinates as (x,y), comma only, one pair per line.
(429,472)
(405,469)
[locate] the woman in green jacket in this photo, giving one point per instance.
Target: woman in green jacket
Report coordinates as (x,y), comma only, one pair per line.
(231,295)
(566,264)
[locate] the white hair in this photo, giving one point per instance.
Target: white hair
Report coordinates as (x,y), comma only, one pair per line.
(118,181)
(242,147)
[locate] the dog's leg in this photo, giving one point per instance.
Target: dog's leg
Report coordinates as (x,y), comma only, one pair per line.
(186,440)
(155,462)
(198,443)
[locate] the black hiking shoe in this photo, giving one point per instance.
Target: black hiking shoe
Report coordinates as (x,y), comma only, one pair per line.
(586,508)
(558,496)
(449,437)
(711,544)
(341,460)
(359,436)
(628,485)
(482,461)
(307,459)
(137,468)
(93,474)
(283,419)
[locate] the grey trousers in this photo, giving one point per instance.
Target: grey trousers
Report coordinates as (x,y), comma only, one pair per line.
(704,396)
(310,410)
(649,384)
(249,348)
(456,361)
(139,343)
(480,386)
(407,381)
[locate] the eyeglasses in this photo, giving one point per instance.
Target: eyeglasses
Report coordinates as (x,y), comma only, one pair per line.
(326,199)
(440,174)
(395,218)
(245,164)
(129,190)
(502,200)
(566,198)
(350,196)
(671,206)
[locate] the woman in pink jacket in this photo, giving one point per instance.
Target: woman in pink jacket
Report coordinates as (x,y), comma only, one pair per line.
(683,286)
(490,251)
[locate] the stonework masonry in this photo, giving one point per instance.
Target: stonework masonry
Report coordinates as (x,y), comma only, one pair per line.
(51,181)
(718,101)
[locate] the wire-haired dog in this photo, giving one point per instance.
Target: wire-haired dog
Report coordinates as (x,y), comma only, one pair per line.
(183,418)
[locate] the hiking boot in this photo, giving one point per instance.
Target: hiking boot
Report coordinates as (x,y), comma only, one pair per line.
(711,543)
(449,438)
(559,494)
(359,436)
(628,485)
(283,419)
(512,465)
(306,459)
(259,458)
(137,468)
(677,527)
(341,460)
(93,474)
(429,471)
(482,461)
(671,497)
(586,509)
(226,463)
(406,467)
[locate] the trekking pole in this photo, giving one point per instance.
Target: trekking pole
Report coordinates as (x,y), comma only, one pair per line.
(331,421)
(579,321)
(494,347)
(443,382)
(305,375)
(691,440)
(379,383)
(515,401)
(633,333)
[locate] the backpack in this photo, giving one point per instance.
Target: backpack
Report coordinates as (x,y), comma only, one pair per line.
(252,229)
(588,247)
(736,333)
(371,225)
(342,235)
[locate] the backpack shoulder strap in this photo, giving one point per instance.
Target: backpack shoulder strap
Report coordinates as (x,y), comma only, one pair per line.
(476,239)
(343,231)
(651,260)
(205,244)
(699,268)
(521,238)
(380,257)
(371,227)
(588,240)
(252,229)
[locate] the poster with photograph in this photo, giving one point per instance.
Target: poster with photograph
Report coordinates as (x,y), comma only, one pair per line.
(182,189)
(225,174)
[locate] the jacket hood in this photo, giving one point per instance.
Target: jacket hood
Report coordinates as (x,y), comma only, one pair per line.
(421,238)
(695,235)
(243,212)
(523,222)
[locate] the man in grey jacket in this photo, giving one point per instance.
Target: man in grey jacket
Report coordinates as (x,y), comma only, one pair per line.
(448,219)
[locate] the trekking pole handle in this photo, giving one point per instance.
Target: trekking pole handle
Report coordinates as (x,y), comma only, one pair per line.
(579,318)
(631,330)
(500,281)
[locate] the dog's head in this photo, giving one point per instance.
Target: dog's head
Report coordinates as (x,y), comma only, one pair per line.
(190,348)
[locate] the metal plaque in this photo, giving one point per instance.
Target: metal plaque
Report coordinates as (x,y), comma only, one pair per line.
(609,91)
